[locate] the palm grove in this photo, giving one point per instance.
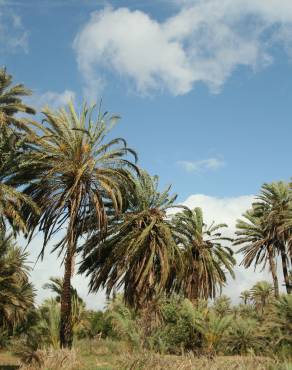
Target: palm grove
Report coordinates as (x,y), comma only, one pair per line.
(62,175)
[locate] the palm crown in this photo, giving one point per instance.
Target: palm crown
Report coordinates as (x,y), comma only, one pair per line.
(206,261)
(139,252)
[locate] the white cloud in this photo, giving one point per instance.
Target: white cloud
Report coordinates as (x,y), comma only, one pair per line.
(52,98)
(204,164)
(13,35)
(205,41)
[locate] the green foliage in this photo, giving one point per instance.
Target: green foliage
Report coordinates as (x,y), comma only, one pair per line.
(139,252)
(205,259)
(245,337)
(16,292)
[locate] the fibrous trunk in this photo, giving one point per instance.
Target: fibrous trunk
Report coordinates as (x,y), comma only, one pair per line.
(66,333)
(273,271)
(285,268)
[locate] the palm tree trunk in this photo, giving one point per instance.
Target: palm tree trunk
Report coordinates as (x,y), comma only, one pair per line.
(273,271)
(285,268)
(66,332)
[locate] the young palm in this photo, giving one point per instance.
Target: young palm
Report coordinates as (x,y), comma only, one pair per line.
(261,294)
(139,253)
(245,335)
(11,102)
(206,260)
(258,245)
(245,296)
(75,178)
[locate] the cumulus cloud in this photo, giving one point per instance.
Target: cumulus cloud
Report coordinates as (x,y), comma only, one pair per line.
(202,165)
(13,35)
(52,98)
(205,41)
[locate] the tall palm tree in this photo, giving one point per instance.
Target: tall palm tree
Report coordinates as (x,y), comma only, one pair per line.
(275,202)
(258,246)
(16,292)
(139,253)
(206,260)
(75,178)
(11,102)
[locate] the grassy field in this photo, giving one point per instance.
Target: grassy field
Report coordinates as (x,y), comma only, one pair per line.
(110,355)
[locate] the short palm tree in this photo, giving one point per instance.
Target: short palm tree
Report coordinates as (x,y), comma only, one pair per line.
(213,329)
(258,246)
(222,306)
(16,292)
(261,294)
(11,102)
(139,253)
(245,296)
(282,318)
(75,177)
(206,260)
(245,335)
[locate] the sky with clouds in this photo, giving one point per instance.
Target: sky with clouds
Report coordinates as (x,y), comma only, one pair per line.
(203,88)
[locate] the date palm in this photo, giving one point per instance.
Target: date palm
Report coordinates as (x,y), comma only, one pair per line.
(75,177)
(11,102)
(16,292)
(258,246)
(261,294)
(12,145)
(139,253)
(11,199)
(206,260)
(245,296)
(275,203)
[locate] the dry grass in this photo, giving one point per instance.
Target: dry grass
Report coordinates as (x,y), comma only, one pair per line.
(148,361)
(111,355)
(55,360)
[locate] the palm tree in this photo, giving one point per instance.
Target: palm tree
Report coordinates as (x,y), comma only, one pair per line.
(261,294)
(282,318)
(11,199)
(12,145)
(206,261)
(139,253)
(16,292)
(245,335)
(258,245)
(245,296)
(75,177)
(11,102)
(222,306)
(213,329)
(275,202)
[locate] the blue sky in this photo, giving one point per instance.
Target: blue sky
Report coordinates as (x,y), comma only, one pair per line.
(204,88)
